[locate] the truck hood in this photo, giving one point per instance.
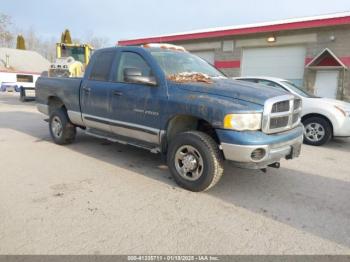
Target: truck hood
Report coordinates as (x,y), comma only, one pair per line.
(235,89)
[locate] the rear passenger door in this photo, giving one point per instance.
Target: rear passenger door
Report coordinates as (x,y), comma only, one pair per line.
(95,92)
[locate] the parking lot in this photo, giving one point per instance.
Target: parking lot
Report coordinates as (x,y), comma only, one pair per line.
(96,197)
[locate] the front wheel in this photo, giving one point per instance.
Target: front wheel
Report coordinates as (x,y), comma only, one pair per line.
(195,161)
(61,129)
(317,131)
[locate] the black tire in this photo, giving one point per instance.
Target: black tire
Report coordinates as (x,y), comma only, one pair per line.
(211,157)
(68,130)
(319,124)
(22,95)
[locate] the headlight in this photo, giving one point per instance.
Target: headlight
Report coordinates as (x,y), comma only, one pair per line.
(242,122)
(346,113)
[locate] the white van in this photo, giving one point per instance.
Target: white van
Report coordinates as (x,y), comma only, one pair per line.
(19,82)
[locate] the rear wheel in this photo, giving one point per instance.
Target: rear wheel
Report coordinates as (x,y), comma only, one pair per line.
(317,131)
(22,94)
(61,129)
(195,161)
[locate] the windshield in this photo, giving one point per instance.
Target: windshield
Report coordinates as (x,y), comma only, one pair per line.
(77,52)
(298,89)
(176,62)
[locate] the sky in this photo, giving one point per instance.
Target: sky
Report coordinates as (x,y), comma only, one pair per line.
(129,19)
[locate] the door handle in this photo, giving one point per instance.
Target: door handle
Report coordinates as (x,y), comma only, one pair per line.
(117,93)
(86,89)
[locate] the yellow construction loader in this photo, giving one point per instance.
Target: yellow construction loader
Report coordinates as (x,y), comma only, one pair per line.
(71,60)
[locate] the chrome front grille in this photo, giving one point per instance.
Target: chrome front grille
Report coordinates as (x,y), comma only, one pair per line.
(297,103)
(296,117)
(281,107)
(281,114)
(279,122)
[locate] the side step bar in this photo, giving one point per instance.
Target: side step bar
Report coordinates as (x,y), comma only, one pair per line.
(118,139)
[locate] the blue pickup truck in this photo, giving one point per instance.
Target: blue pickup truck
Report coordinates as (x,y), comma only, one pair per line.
(169,101)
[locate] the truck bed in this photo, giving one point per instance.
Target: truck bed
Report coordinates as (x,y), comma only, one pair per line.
(66,88)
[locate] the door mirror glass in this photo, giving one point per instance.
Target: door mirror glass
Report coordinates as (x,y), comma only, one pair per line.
(134,75)
(133,68)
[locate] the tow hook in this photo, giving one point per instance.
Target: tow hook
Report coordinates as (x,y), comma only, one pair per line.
(275,165)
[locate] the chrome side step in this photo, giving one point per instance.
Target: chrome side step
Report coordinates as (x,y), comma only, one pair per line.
(116,139)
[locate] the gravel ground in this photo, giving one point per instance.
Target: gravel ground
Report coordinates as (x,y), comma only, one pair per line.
(95,197)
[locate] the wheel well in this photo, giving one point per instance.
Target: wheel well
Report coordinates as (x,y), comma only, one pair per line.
(55,103)
(319,116)
(183,123)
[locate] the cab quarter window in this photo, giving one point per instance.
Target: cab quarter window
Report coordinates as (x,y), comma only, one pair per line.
(132,60)
(102,66)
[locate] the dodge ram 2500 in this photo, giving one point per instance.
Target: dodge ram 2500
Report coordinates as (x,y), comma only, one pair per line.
(166,100)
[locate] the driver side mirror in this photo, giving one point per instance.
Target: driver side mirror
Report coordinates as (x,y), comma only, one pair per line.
(134,75)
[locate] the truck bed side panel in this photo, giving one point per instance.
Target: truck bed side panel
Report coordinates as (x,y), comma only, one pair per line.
(66,89)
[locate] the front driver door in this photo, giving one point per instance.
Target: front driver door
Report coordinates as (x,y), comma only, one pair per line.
(135,107)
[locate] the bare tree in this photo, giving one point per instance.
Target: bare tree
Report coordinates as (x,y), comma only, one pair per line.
(98,42)
(95,41)
(47,48)
(6,37)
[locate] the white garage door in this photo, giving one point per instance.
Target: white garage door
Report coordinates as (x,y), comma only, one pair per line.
(282,62)
(206,55)
(326,84)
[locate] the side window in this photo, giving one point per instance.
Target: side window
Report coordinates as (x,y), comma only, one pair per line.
(250,80)
(270,83)
(265,82)
(102,66)
(25,78)
(132,60)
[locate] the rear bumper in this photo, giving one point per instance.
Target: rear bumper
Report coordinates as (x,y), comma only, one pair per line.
(286,145)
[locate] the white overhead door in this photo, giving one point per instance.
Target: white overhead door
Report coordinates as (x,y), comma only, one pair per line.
(206,55)
(326,84)
(283,62)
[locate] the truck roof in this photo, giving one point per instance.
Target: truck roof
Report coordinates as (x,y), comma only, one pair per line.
(154,47)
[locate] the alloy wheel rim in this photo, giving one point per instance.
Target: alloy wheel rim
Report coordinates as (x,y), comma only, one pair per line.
(314,132)
(56,127)
(189,163)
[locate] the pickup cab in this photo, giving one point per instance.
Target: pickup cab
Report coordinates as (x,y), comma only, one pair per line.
(166,100)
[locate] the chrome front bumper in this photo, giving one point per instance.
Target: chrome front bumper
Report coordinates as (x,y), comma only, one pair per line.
(241,155)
